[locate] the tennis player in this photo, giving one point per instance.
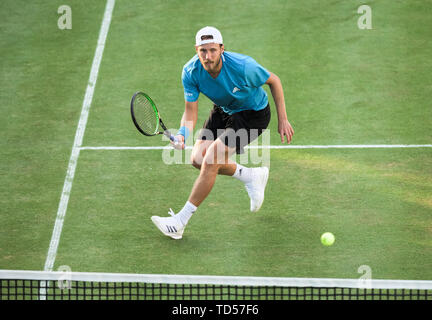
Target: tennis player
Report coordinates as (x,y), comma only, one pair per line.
(241,113)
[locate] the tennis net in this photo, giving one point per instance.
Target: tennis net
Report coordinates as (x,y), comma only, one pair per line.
(39,285)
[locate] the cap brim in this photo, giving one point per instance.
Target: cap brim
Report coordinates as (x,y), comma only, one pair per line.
(207,41)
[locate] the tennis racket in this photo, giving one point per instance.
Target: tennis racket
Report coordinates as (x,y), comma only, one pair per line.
(146,116)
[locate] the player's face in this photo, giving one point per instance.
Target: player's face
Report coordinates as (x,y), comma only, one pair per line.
(210,56)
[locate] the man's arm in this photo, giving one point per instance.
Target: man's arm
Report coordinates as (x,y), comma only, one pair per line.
(284,127)
(188,120)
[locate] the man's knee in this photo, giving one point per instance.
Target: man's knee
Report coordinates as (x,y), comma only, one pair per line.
(216,155)
(197,157)
(195,163)
(199,152)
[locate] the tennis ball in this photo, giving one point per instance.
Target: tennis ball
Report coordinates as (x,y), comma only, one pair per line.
(327,238)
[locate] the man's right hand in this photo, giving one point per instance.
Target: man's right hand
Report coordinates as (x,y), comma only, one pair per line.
(178,142)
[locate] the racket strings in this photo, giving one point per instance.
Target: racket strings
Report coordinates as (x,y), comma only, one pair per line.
(145,115)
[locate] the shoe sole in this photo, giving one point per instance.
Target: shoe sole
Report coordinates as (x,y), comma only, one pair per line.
(264,182)
(161,229)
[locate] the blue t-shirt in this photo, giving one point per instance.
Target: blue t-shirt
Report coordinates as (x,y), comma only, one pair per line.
(236,88)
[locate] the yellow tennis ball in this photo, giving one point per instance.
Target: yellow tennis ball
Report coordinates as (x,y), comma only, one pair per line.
(327,238)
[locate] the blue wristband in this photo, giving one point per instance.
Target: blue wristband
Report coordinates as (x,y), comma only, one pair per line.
(184,131)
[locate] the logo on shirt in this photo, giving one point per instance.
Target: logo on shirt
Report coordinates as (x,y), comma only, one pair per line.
(235,90)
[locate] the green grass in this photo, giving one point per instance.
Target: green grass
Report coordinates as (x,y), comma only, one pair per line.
(43,79)
(373,203)
(342,86)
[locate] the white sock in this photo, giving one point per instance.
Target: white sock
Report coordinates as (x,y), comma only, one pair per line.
(186,213)
(243,174)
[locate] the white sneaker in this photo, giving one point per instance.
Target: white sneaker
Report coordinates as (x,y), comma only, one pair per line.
(169,226)
(256,188)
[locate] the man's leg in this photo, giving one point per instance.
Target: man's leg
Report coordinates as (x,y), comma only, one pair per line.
(255,179)
(215,161)
(198,153)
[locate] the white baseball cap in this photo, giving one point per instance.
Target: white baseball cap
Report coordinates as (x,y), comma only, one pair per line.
(208,35)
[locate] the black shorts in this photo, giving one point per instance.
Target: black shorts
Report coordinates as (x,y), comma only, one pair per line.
(235,130)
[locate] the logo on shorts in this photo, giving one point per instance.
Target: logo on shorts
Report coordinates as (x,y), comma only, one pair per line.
(235,90)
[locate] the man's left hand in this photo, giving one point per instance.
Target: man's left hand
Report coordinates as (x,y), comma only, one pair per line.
(285,130)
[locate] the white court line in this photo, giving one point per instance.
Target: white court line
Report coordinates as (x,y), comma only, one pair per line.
(355,146)
(61,212)
(217,280)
